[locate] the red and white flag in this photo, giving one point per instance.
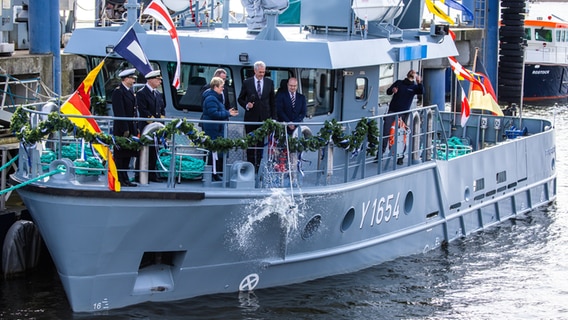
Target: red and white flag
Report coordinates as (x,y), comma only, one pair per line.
(465,109)
(159,11)
(464,74)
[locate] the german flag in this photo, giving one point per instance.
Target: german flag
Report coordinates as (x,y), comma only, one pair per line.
(80,104)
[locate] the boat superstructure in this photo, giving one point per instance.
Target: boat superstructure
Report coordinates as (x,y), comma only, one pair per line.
(546,62)
(327,199)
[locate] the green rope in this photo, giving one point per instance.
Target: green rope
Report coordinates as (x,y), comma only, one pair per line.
(30,181)
(191,168)
(88,165)
(454,147)
(73,151)
(9,163)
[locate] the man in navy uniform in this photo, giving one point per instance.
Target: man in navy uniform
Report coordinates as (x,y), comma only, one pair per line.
(151,105)
(124,105)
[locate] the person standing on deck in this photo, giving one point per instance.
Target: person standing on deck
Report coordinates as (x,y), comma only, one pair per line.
(124,105)
(291,105)
(151,105)
(257,97)
(403,92)
(221,73)
(214,109)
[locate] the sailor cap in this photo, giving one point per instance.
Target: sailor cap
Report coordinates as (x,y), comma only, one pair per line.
(128,73)
(153,74)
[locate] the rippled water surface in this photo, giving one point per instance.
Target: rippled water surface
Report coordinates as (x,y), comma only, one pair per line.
(517,270)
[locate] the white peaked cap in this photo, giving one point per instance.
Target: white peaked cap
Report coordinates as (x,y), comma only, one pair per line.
(153,74)
(127,73)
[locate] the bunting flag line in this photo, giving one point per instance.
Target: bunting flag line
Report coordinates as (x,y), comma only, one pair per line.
(435,10)
(481,99)
(458,6)
(129,48)
(464,74)
(481,94)
(159,11)
(79,104)
(481,74)
(465,109)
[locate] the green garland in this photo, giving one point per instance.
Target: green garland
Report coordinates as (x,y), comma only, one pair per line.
(331,131)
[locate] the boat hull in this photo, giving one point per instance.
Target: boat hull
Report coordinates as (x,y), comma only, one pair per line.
(545,84)
(219,241)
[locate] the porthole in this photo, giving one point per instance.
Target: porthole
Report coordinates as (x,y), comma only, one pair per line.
(408,202)
(348,220)
(311,227)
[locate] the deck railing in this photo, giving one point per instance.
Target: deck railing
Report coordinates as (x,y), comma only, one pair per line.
(329,153)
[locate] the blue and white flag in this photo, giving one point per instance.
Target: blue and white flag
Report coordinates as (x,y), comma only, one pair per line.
(458,6)
(129,48)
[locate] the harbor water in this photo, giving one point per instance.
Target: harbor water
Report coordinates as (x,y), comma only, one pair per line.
(516,270)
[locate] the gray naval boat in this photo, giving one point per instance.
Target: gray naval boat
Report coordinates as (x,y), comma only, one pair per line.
(327,198)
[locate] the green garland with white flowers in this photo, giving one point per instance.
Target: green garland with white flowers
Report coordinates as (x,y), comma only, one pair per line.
(331,131)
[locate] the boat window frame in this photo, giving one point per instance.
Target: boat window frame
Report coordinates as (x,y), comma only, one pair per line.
(316,85)
(361,88)
(184,99)
(543,34)
(108,80)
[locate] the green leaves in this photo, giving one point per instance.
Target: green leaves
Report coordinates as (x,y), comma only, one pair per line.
(331,131)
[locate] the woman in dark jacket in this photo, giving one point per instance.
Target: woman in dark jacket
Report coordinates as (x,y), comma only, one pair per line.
(214,109)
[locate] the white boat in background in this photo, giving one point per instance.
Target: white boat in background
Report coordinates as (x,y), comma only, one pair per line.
(326,200)
(546,62)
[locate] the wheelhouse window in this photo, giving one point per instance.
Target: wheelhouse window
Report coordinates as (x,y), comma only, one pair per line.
(361,87)
(528,33)
(316,86)
(543,35)
(108,78)
(279,76)
(313,83)
(386,79)
(193,77)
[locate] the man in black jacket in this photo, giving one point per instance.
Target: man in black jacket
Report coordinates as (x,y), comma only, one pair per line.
(258,99)
(151,105)
(124,105)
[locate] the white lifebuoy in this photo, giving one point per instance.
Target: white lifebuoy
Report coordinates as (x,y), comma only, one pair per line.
(151,128)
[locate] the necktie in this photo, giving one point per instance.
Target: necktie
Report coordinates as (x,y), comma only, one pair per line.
(258,89)
(293,100)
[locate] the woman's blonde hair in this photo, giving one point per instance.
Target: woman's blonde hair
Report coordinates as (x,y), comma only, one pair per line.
(216,82)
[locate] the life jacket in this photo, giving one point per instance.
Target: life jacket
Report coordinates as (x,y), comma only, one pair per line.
(401,125)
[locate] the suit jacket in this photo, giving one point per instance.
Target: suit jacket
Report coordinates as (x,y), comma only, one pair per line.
(264,106)
(124,105)
(284,107)
(149,106)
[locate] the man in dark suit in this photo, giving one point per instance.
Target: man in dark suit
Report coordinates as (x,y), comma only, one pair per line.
(291,105)
(124,105)
(221,73)
(258,99)
(151,105)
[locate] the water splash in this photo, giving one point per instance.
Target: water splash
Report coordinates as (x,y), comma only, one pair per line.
(279,203)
